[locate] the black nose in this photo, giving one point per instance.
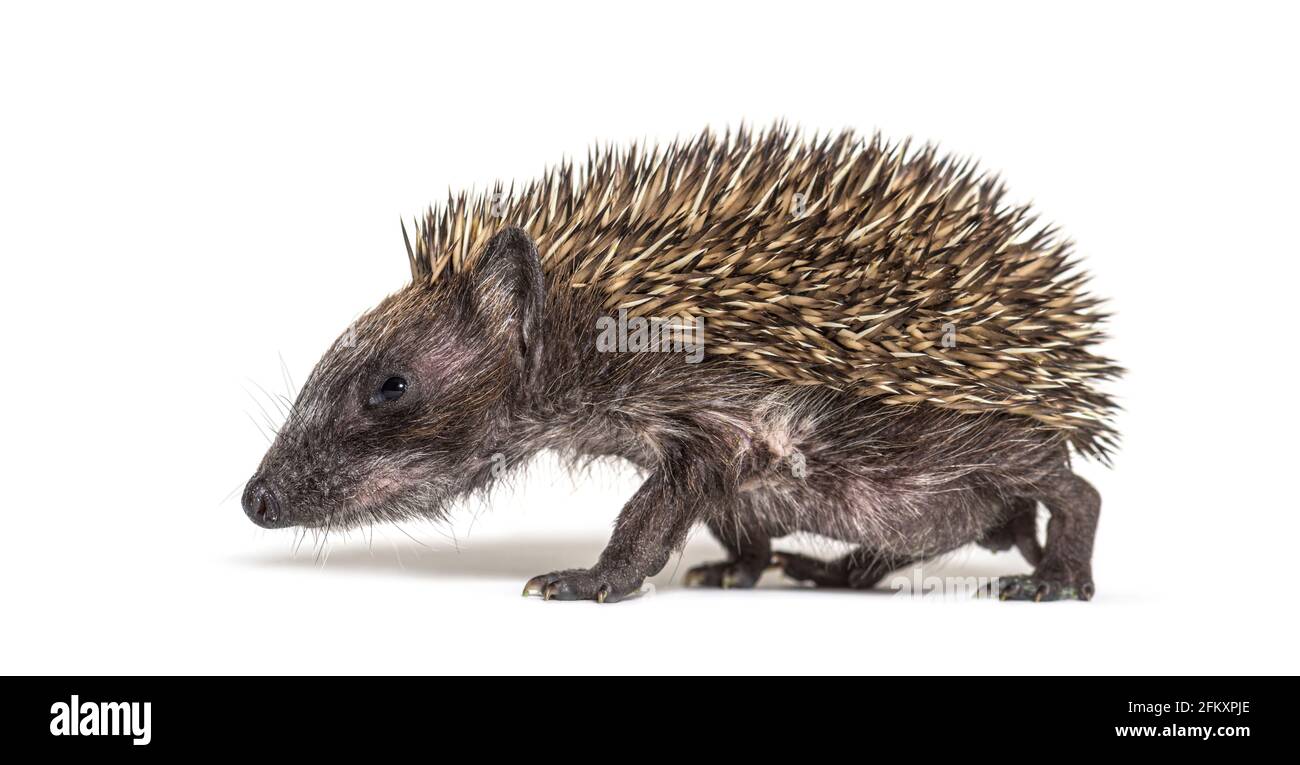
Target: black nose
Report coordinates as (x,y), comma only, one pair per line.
(262,507)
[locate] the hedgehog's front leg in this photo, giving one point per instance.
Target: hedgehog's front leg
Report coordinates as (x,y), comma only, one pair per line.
(651,527)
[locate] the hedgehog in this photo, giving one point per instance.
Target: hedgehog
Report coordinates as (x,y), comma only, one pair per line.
(831,336)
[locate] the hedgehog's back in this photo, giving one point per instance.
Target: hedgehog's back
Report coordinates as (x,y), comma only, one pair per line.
(838,262)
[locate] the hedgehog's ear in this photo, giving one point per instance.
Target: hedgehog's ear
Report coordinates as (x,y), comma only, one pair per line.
(509,291)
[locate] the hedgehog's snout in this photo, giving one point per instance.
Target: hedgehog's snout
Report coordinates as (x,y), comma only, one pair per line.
(262,506)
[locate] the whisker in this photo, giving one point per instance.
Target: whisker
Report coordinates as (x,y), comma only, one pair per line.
(288,378)
(270,423)
(279,407)
(258,426)
(232,491)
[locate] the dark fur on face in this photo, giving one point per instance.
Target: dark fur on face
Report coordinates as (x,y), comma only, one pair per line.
(501,362)
(347,455)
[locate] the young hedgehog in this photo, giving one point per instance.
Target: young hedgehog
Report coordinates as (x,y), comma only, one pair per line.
(893,358)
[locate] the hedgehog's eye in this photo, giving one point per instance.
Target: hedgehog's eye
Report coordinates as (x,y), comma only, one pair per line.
(393,388)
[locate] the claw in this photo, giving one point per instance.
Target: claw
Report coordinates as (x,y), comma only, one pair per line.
(1040,590)
(580,584)
(726,575)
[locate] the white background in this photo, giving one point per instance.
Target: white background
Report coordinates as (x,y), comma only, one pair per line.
(188,194)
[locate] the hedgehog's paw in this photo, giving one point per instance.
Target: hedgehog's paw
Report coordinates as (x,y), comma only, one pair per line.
(727,574)
(583,584)
(1030,587)
(802,568)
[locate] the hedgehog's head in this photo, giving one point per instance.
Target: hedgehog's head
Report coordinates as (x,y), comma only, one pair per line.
(401,414)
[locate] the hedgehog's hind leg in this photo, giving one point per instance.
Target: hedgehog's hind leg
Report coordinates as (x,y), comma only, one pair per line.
(1020,530)
(1065,571)
(749,554)
(858,570)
